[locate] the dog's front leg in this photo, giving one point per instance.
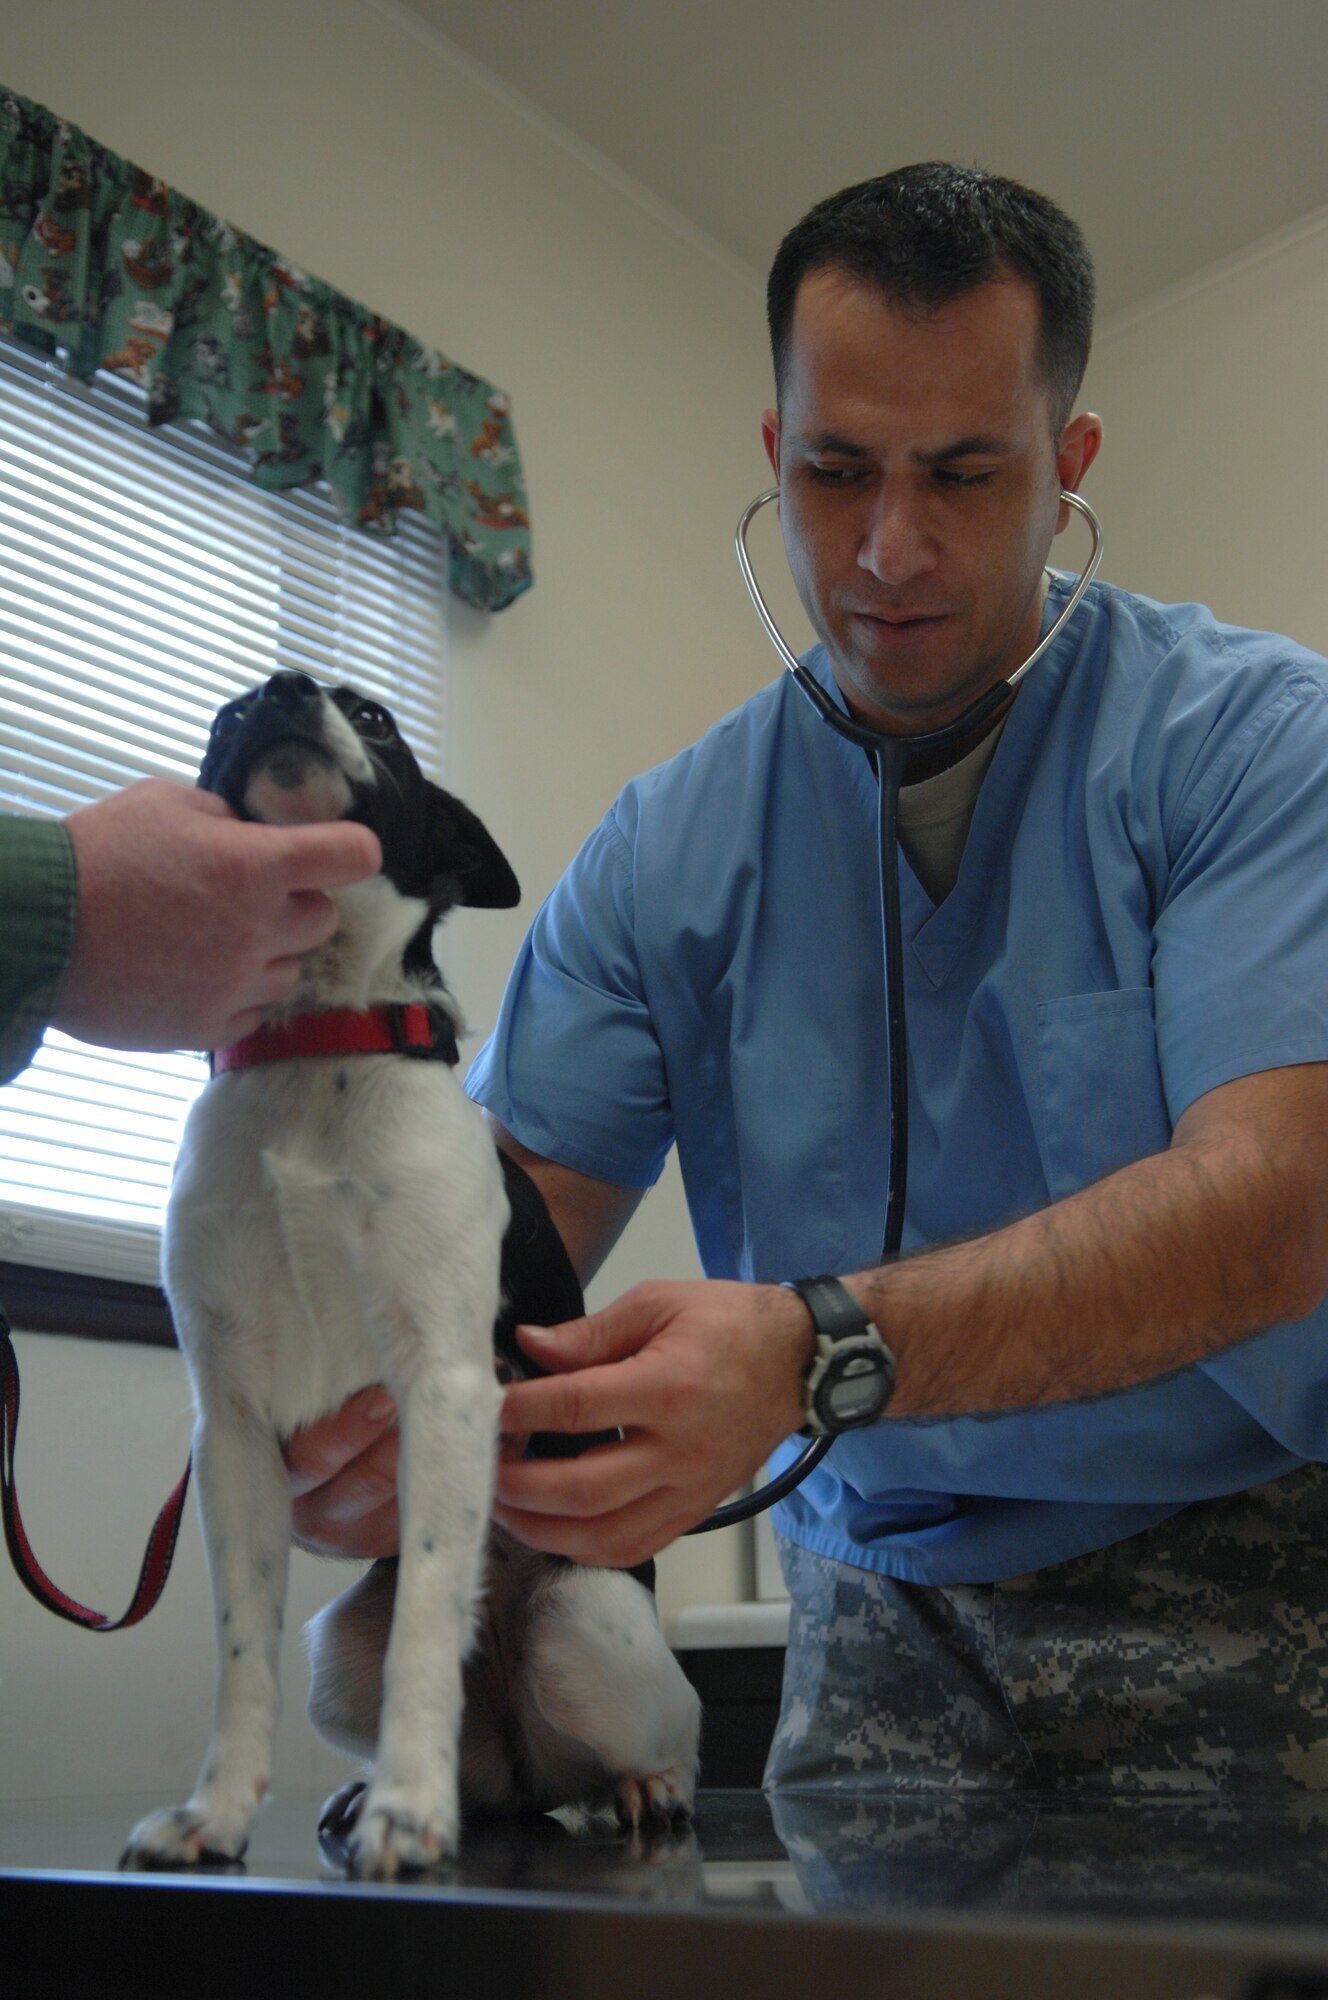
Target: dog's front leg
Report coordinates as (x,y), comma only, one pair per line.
(449,1422)
(245,1504)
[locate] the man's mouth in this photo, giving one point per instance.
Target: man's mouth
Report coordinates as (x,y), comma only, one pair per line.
(882,616)
(887,626)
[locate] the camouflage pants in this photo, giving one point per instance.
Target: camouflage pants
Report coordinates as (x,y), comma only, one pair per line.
(1192,1659)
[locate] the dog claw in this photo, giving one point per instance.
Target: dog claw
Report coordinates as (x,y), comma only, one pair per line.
(653,1804)
(389,1843)
(181,1837)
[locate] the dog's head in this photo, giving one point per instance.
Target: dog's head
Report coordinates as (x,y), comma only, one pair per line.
(291,752)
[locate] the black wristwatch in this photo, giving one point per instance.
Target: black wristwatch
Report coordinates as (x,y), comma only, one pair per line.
(851,1376)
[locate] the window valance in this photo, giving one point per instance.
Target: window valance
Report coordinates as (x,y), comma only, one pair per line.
(104,267)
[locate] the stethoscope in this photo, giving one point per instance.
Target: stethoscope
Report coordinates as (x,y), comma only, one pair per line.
(891,756)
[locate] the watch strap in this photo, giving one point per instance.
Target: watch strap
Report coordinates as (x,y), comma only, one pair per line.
(834,1310)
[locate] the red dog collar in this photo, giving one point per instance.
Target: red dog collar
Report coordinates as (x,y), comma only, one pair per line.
(411,1030)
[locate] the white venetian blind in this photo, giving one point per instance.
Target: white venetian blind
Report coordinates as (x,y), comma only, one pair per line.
(143,580)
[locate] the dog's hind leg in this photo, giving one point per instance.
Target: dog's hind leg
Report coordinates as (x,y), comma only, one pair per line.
(608,1716)
(448,1421)
(245,1505)
(347,1644)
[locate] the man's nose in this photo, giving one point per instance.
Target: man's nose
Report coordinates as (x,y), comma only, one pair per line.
(897,542)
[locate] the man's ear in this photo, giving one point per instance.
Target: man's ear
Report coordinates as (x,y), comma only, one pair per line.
(466,863)
(770,439)
(1081,440)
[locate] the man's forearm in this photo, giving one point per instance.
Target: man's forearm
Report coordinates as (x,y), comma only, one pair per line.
(589,1215)
(1155,1267)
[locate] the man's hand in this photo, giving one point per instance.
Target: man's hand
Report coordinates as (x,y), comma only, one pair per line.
(190,922)
(344,1479)
(703,1379)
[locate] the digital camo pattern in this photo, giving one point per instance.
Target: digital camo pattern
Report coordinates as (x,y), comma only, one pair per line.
(1081,1855)
(1192,1659)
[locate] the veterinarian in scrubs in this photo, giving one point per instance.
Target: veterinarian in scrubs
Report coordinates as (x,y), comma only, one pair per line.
(1081,1549)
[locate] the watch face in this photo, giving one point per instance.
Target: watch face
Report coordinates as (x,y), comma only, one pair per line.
(854,1390)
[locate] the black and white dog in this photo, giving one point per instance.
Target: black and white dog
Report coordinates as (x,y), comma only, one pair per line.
(340,1216)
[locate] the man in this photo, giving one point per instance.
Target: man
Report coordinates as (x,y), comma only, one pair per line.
(155,919)
(1049,1562)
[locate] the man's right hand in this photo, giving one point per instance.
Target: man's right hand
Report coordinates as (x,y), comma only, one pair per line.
(343,1474)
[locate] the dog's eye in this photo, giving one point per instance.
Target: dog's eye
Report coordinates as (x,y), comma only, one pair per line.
(372,721)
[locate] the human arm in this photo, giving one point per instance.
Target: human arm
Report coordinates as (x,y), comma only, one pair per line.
(37,896)
(1158,1265)
(589,1214)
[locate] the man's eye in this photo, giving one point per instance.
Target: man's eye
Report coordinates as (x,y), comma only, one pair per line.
(833,475)
(948,476)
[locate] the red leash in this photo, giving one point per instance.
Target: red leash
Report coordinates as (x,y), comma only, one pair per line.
(161,1543)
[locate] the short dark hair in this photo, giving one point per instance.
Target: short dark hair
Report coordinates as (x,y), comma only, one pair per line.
(926,234)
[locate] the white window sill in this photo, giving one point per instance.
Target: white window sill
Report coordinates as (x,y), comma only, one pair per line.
(708,1627)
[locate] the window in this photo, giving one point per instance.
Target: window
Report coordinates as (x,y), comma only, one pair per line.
(143,580)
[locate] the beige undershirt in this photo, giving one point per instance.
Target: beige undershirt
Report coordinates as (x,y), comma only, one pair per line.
(934,817)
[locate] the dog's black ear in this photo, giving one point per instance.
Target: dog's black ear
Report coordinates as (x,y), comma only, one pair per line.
(468,864)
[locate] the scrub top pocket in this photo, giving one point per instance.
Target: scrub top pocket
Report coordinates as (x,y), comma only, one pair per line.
(1101,1098)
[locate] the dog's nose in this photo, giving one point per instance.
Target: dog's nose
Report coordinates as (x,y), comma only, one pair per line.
(288,690)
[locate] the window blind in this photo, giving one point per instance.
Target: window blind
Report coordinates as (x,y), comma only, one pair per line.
(143,580)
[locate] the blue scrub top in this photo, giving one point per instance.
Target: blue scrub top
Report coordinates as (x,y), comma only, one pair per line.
(1141,915)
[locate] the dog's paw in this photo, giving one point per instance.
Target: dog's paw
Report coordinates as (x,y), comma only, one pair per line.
(185,1837)
(657,1803)
(391,1839)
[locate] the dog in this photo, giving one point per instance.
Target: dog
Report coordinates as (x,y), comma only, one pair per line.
(338,1219)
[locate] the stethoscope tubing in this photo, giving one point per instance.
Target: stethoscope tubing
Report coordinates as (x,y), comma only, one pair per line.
(891,755)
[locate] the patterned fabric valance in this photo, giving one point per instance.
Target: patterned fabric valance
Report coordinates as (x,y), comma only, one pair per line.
(104,267)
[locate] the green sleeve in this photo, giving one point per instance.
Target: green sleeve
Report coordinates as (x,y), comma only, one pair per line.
(36,932)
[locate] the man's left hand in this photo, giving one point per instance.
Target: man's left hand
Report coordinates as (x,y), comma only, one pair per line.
(702,1378)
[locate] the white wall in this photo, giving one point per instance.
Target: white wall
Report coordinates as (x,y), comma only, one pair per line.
(1212,483)
(348,137)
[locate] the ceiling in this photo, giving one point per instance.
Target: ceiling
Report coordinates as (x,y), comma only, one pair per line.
(1174,131)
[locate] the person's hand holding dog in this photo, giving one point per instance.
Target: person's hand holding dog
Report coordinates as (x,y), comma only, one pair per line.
(189,921)
(343,1479)
(702,1377)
